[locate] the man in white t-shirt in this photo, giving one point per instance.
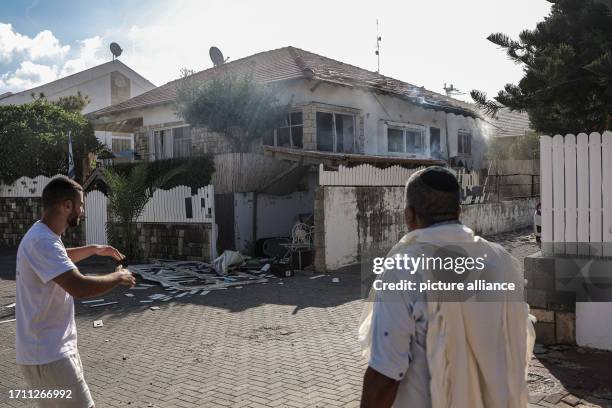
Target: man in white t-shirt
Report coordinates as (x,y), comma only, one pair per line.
(47,281)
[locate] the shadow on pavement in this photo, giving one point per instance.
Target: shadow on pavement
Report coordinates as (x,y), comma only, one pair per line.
(299,291)
(584,373)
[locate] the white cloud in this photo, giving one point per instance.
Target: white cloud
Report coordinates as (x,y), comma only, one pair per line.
(89,55)
(28,75)
(43,45)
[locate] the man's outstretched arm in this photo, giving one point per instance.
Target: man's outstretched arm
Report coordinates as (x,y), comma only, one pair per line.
(378,390)
(79,253)
(81,286)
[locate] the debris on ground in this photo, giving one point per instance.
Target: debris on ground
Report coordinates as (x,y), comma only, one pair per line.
(190,277)
(227,259)
(7,321)
(103,304)
(98,323)
(154,308)
(92,301)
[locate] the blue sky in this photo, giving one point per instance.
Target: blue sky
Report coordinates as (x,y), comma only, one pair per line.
(424,43)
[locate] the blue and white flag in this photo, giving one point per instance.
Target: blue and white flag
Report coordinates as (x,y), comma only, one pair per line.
(71,172)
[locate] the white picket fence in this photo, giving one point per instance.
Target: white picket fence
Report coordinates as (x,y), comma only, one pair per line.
(576,189)
(25,187)
(368,175)
(178,205)
(96,218)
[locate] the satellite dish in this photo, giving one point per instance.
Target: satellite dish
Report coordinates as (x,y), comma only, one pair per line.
(115,49)
(216,56)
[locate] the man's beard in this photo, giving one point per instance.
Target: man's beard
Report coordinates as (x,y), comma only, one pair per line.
(73,220)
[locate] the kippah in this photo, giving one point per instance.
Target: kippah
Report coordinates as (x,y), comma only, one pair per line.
(440,179)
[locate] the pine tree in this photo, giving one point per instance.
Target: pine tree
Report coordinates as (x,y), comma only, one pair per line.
(567,63)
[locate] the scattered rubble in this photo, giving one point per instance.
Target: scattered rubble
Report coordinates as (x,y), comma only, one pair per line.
(103,304)
(7,321)
(190,277)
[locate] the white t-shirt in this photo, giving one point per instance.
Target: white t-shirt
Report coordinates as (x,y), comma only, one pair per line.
(399,339)
(44,311)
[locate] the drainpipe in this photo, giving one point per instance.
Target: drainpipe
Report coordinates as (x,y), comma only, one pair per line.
(254,229)
(447,139)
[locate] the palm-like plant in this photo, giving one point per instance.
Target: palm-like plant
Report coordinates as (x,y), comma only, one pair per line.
(127,197)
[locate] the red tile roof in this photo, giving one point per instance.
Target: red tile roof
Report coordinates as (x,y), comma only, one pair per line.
(290,63)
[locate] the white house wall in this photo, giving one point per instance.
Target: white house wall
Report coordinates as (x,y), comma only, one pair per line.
(377,108)
(276,214)
(94,83)
(363,221)
(158,115)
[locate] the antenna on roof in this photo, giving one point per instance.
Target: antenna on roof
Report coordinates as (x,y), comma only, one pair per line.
(216,56)
(377,52)
(452,91)
(116,50)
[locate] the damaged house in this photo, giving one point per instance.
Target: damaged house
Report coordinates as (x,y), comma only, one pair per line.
(340,115)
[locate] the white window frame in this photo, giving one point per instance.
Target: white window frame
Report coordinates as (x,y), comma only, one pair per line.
(408,127)
(335,135)
(130,138)
(168,150)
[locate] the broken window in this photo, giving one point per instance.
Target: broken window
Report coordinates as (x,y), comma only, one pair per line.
(181,141)
(406,139)
(335,132)
(434,142)
(289,133)
(395,140)
(464,142)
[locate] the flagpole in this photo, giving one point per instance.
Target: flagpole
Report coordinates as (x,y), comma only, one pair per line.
(71,171)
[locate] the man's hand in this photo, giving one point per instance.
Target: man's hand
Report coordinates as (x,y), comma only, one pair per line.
(125,277)
(105,250)
(379,391)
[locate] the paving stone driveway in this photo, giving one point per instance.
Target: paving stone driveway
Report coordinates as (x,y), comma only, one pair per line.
(288,343)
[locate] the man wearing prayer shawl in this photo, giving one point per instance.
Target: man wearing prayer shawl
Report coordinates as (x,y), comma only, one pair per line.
(460,350)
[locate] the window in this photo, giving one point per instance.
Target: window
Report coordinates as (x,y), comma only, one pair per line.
(395,139)
(335,132)
(159,137)
(174,142)
(181,146)
(406,139)
(464,142)
(434,142)
(289,133)
(121,144)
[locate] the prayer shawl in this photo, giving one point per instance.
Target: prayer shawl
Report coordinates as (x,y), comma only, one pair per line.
(478,352)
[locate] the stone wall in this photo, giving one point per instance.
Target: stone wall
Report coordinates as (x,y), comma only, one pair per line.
(553,310)
(571,298)
(186,241)
(352,221)
(18,214)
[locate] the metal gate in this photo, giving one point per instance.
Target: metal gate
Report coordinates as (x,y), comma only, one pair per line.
(95,218)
